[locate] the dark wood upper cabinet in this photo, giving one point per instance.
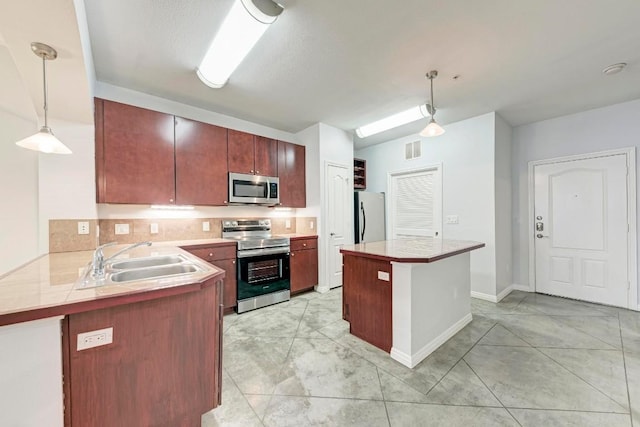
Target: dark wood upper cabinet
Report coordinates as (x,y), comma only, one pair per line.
(241,155)
(291,171)
(266,156)
(252,154)
(134,155)
(201,163)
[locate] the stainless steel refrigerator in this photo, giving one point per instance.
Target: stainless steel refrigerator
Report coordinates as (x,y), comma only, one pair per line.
(369,217)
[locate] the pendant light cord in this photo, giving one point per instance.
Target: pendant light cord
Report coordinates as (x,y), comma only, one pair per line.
(44,85)
(433,107)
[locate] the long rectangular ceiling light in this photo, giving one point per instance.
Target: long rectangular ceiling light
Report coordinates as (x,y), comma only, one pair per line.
(399,119)
(240,31)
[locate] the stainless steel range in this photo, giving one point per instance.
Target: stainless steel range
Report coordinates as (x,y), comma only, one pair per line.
(263,263)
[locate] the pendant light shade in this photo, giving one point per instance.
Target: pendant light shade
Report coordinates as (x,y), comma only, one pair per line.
(433,128)
(44,141)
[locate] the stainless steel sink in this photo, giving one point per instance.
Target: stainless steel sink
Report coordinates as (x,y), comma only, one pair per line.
(146,262)
(153,272)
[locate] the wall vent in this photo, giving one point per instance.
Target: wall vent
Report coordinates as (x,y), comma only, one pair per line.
(412,150)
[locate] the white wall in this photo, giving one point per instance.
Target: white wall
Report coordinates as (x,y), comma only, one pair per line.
(616,126)
(503,204)
(324,144)
(19,189)
(466,151)
(67,182)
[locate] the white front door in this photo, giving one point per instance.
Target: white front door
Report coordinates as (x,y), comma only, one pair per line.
(581,229)
(339,219)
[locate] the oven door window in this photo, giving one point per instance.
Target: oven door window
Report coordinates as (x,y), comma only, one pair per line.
(242,188)
(261,275)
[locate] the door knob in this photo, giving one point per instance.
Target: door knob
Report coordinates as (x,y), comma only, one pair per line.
(332,234)
(539,236)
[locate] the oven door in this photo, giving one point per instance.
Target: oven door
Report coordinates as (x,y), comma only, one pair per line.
(262,274)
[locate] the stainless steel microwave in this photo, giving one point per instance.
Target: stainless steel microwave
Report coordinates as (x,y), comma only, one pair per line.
(254,189)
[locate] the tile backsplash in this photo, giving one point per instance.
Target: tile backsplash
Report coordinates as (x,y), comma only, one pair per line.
(64,237)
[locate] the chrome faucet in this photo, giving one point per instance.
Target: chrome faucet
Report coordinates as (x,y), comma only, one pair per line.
(97,266)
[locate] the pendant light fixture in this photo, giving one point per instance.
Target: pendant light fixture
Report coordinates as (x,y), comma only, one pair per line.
(433,128)
(44,141)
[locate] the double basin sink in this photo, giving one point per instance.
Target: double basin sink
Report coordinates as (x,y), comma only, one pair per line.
(137,269)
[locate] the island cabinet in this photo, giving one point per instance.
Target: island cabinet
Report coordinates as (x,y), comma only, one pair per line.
(134,154)
(222,255)
(163,368)
(252,154)
(291,171)
(201,163)
(303,264)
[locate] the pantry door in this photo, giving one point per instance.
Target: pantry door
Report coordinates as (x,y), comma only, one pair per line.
(581,228)
(339,208)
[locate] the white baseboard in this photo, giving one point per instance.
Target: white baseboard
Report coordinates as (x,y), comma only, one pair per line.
(501,295)
(411,361)
(321,289)
(482,296)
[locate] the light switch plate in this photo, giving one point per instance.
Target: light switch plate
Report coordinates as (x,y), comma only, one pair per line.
(311,225)
(206,226)
(95,338)
(122,228)
(452,219)
(287,224)
(154,228)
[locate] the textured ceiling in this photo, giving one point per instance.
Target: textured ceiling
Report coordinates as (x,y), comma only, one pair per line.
(347,63)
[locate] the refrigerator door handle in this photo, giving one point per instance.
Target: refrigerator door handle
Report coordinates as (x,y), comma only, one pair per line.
(364,221)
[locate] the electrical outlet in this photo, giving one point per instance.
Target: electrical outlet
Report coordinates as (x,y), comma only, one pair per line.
(154,228)
(287,224)
(83,227)
(95,338)
(383,275)
(206,226)
(122,228)
(311,225)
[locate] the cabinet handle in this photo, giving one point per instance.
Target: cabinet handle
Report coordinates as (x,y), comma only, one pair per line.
(211,254)
(171,200)
(225,202)
(233,262)
(257,172)
(292,254)
(304,244)
(251,170)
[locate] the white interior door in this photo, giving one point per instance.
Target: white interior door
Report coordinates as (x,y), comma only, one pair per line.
(581,229)
(415,203)
(339,219)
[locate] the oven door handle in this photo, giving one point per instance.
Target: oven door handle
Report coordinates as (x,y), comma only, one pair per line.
(260,252)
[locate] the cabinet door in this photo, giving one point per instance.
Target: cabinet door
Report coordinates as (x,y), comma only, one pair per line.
(134,155)
(291,170)
(230,293)
(303,270)
(241,152)
(266,156)
(201,163)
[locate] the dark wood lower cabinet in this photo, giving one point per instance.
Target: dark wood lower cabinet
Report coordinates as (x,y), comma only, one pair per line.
(162,369)
(303,264)
(222,255)
(366,300)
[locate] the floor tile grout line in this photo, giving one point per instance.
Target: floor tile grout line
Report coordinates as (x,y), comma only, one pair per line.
(458,361)
(384,399)
(564,367)
(624,364)
(586,411)
(246,400)
(283,364)
(491,391)
(587,333)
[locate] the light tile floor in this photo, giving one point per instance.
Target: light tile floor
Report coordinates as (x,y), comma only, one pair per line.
(530,360)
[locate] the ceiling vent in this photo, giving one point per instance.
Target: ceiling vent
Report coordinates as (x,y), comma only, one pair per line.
(412,150)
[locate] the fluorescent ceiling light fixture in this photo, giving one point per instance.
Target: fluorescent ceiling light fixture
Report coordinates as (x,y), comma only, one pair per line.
(399,119)
(173,207)
(240,31)
(44,141)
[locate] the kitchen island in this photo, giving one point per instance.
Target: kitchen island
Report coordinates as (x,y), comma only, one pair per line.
(162,366)
(407,297)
